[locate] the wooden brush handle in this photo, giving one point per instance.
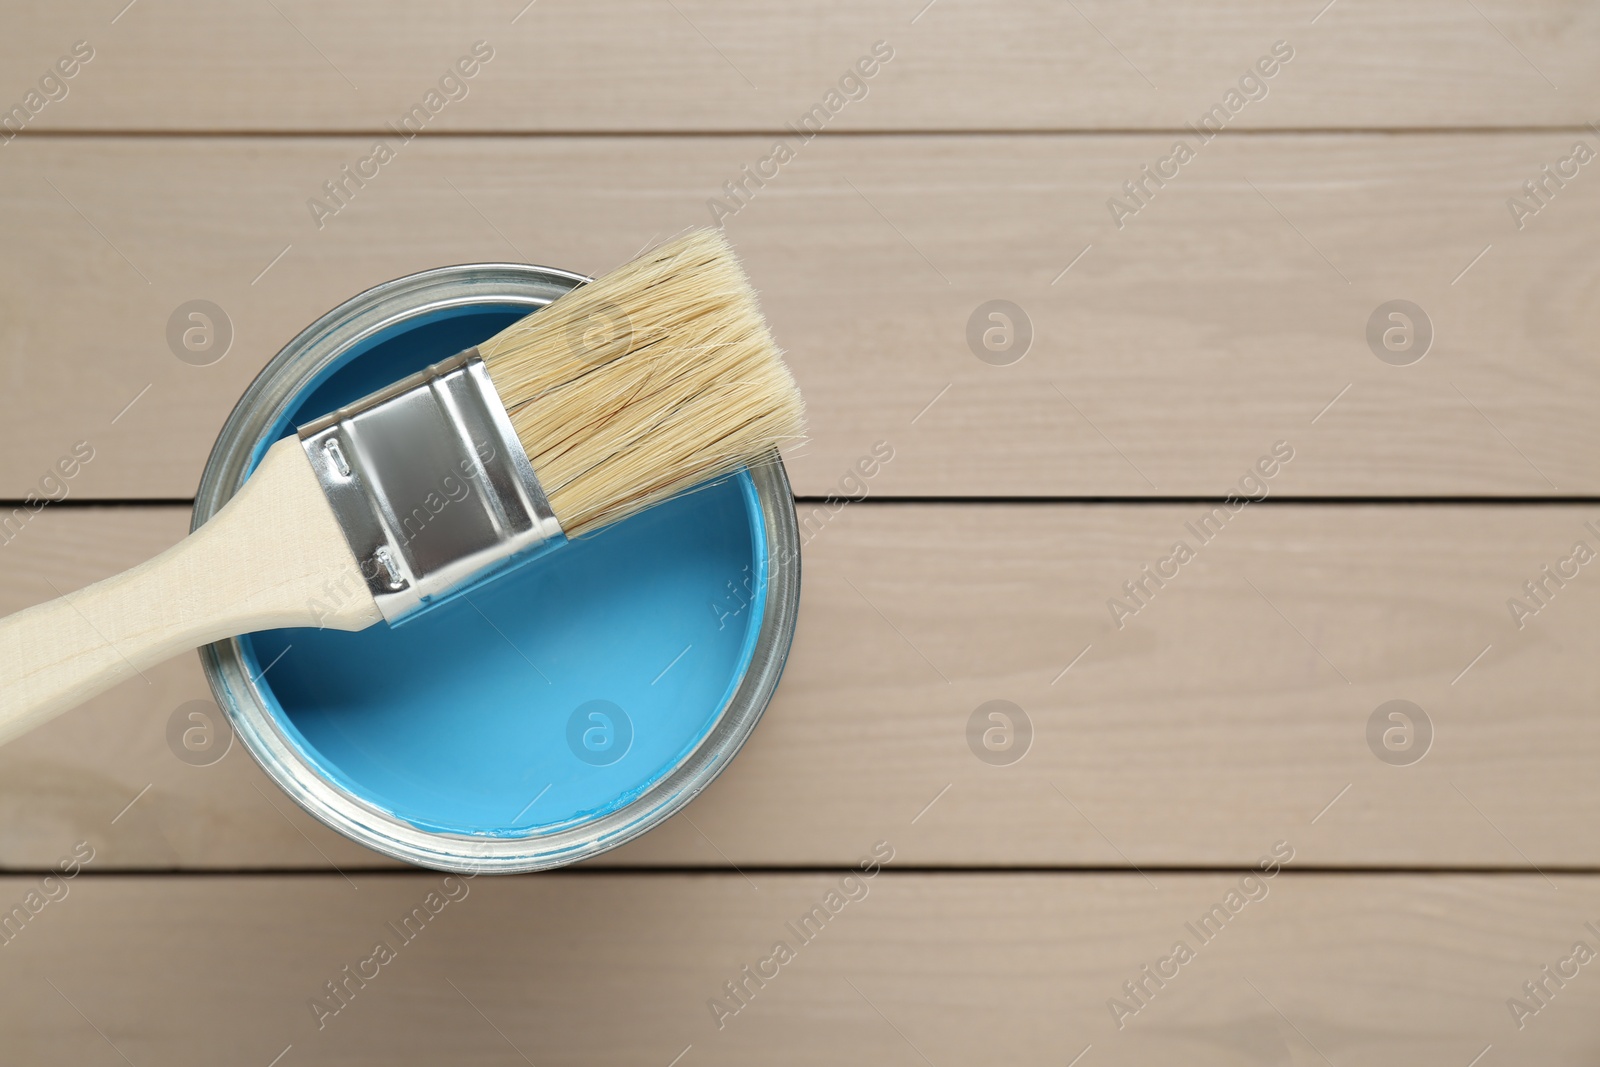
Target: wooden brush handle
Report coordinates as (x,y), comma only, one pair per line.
(273,556)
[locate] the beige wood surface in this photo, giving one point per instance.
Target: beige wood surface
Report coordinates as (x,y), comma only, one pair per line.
(1227,314)
(1210,722)
(947,970)
(693,65)
(1236,710)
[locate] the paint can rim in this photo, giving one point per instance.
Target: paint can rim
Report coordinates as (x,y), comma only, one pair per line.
(296,369)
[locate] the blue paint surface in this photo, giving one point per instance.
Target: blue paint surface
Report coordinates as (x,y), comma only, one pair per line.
(549,696)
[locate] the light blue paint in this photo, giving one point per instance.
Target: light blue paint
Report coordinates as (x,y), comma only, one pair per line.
(457,720)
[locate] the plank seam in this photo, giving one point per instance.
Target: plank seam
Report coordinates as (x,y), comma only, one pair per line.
(103,133)
(1282,500)
(899,870)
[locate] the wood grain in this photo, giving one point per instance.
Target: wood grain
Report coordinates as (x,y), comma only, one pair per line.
(696,66)
(1230,711)
(957,969)
(1173,348)
(1229,313)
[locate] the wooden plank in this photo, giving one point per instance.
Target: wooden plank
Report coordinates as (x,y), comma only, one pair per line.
(1233,709)
(957,969)
(694,66)
(1228,313)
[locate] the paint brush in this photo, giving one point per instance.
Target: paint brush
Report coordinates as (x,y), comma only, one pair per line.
(651,380)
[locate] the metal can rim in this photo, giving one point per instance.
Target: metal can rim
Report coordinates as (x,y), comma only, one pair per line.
(283,380)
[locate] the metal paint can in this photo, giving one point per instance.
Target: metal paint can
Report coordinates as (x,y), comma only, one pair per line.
(418,740)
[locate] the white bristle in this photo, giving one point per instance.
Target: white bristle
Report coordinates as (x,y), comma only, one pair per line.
(656,377)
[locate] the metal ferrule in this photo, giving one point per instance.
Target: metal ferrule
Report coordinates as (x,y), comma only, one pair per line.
(430,484)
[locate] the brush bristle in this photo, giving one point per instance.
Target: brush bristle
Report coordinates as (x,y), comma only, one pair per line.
(648,381)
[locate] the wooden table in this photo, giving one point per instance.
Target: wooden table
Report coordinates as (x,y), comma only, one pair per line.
(1184,331)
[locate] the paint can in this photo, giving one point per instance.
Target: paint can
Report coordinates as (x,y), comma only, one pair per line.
(549,715)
